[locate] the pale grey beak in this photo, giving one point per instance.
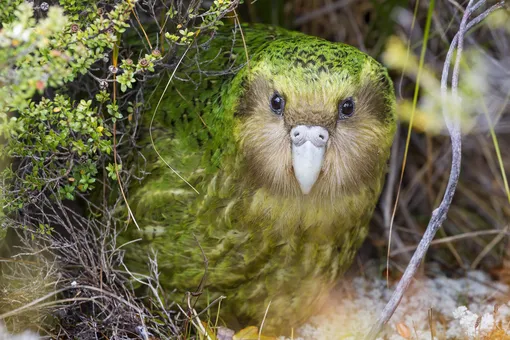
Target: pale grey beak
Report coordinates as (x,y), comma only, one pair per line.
(308,149)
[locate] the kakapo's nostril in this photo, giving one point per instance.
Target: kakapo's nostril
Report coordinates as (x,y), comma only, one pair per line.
(317,135)
(298,134)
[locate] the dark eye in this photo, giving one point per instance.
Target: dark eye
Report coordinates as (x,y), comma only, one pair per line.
(346,108)
(277,104)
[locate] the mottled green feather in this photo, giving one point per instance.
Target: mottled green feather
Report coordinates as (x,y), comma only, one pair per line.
(263,240)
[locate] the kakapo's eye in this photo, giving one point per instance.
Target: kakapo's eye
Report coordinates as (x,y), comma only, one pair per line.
(346,108)
(277,104)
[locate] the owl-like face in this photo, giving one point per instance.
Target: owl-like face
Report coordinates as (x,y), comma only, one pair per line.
(318,120)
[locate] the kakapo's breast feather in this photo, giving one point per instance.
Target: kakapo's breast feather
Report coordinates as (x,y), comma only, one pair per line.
(259,247)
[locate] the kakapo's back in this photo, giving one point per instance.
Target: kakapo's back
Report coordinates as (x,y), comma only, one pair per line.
(226,172)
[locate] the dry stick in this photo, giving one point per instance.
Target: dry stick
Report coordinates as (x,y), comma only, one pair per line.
(452,123)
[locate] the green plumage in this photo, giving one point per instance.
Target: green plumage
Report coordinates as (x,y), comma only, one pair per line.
(264,240)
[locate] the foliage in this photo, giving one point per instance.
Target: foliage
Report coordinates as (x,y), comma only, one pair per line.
(52,51)
(8,10)
(53,135)
(56,141)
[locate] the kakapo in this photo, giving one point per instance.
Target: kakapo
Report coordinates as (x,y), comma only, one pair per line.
(267,160)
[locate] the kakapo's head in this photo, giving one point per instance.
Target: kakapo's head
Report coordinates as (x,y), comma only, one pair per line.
(316,118)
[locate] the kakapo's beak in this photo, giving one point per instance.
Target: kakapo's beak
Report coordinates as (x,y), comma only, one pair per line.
(308,149)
